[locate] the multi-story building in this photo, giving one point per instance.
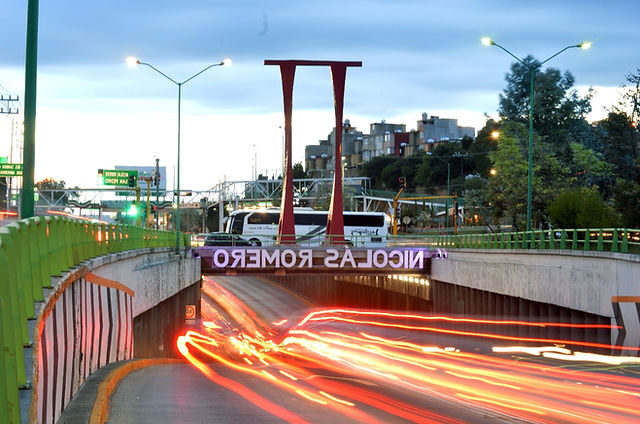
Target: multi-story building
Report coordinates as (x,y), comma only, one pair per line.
(384,139)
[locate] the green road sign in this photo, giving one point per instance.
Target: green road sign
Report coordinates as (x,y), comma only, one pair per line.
(118,177)
(10,170)
(16,196)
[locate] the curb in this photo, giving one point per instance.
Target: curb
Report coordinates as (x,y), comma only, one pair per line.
(100,411)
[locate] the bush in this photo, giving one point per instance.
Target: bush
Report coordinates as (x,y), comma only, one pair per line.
(581,208)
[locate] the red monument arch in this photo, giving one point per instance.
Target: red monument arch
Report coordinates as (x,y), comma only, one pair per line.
(335,220)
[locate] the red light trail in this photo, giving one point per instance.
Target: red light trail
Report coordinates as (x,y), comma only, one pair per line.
(371,366)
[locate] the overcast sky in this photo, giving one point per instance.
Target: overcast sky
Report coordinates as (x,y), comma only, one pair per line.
(418,56)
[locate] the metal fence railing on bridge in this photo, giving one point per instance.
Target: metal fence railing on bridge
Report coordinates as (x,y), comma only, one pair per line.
(31,252)
(621,240)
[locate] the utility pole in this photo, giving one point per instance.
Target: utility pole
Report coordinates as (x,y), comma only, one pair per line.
(5,108)
(157,182)
(31,72)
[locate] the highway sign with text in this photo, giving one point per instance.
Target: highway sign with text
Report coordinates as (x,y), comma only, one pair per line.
(117,177)
(10,170)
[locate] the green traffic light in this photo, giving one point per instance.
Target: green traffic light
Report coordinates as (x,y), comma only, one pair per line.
(133,210)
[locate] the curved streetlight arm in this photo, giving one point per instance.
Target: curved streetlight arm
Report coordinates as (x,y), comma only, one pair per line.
(158,71)
(566,48)
(493,43)
(208,67)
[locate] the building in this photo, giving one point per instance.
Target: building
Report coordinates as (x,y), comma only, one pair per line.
(384,139)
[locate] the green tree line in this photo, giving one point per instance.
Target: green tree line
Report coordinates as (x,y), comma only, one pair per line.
(584,174)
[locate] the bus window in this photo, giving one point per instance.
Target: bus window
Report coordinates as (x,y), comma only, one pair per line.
(237,225)
(363,220)
(270,218)
(317,219)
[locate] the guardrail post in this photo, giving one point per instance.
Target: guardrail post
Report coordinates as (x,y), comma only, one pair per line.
(552,239)
(599,246)
(614,240)
(44,250)
(587,240)
(67,247)
(13,328)
(625,242)
(543,241)
(34,264)
(574,240)
(15,295)
(23,268)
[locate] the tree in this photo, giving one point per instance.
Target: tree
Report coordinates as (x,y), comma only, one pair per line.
(432,172)
(508,187)
(557,107)
(581,208)
(298,171)
(620,145)
(476,196)
(55,192)
(373,169)
(632,97)
(627,200)
(588,166)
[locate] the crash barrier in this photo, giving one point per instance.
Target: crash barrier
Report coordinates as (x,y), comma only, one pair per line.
(620,240)
(34,250)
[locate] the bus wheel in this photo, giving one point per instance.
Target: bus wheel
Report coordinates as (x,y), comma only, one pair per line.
(255,242)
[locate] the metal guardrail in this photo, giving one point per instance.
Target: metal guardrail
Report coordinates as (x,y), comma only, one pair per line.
(31,252)
(622,240)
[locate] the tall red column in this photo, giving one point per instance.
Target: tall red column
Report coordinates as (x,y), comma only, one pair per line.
(286,226)
(335,220)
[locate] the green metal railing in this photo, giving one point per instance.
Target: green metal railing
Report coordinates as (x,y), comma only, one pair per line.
(620,240)
(31,252)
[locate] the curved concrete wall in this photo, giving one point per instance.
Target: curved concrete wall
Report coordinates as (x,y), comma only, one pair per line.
(86,320)
(596,282)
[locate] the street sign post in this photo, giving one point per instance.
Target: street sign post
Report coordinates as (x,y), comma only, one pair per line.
(10,170)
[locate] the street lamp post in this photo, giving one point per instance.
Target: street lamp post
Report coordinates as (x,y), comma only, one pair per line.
(448,184)
(132,61)
(532,72)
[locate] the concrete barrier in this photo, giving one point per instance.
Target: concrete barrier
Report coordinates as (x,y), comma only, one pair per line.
(602,283)
(86,320)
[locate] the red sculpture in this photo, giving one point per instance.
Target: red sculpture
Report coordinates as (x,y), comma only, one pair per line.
(335,220)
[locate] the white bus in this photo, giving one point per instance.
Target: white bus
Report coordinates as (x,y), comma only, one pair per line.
(260,227)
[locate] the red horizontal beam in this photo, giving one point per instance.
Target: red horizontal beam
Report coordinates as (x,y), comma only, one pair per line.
(311,62)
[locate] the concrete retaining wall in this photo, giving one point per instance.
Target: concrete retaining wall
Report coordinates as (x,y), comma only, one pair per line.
(593,282)
(86,320)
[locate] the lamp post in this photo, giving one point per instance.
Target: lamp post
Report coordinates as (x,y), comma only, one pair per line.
(532,72)
(132,61)
(448,183)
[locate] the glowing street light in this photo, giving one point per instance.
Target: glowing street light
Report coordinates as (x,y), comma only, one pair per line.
(532,71)
(132,62)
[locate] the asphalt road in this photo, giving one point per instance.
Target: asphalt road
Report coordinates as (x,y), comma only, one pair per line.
(222,394)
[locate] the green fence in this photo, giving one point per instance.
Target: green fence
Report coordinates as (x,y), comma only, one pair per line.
(31,252)
(620,240)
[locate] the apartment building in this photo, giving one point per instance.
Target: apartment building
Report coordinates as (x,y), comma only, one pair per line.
(384,139)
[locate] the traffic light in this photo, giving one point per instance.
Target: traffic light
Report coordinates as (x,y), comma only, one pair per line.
(132,180)
(402,181)
(133,210)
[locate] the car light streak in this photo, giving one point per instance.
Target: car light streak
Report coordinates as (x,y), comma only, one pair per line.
(329,357)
